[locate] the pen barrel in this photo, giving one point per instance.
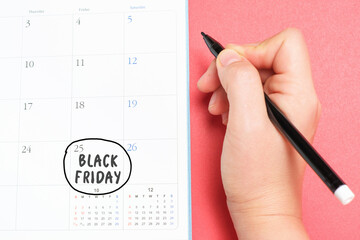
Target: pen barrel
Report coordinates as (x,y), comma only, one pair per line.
(303,147)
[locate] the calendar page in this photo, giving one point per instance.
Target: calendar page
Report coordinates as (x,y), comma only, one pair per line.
(94,120)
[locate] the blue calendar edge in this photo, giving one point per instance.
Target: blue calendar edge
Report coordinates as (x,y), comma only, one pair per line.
(188,115)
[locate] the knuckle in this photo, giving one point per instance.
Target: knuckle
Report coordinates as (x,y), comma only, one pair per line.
(319,107)
(315,102)
(242,72)
(294,33)
(230,45)
(314,106)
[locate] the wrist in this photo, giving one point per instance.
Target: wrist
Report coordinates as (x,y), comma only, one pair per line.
(267,219)
(269,227)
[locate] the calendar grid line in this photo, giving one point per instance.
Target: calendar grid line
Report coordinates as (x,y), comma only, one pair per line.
(88,55)
(35,185)
(65,184)
(128,184)
(177,119)
(155,183)
(123,127)
(85,13)
(19,127)
(93,97)
(71,103)
(67,141)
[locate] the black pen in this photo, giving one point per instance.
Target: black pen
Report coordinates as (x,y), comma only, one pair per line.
(302,146)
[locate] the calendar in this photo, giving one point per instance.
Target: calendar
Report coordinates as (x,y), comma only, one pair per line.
(94,120)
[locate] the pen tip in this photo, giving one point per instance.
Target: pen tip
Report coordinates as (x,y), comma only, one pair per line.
(203,34)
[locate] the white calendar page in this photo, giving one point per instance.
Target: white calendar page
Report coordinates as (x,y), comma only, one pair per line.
(110,69)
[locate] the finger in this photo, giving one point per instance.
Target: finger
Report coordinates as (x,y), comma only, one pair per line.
(244,90)
(285,53)
(277,84)
(209,81)
(265,74)
(218,102)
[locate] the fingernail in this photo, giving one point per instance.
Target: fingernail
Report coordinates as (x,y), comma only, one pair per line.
(224,118)
(199,82)
(212,100)
(229,56)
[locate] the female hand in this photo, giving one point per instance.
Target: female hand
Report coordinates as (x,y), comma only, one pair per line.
(261,172)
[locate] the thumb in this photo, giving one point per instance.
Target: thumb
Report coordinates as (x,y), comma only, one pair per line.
(242,83)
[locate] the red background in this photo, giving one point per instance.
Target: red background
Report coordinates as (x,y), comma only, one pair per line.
(332,33)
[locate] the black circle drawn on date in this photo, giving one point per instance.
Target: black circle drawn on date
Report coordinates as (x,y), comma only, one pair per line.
(97,139)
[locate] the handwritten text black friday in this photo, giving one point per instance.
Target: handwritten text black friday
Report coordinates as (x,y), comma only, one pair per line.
(97,176)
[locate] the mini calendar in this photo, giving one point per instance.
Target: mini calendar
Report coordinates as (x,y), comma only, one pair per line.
(114,71)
